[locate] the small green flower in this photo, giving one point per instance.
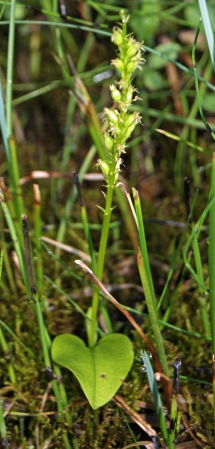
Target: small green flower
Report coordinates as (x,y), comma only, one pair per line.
(117,36)
(112,115)
(119,64)
(104,166)
(129,95)
(115,93)
(133,48)
(109,142)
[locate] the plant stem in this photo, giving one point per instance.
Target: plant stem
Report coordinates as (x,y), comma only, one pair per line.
(100,263)
(211,257)
(211,254)
(3,431)
(202,293)
(15,239)
(37,230)
(5,349)
(10,65)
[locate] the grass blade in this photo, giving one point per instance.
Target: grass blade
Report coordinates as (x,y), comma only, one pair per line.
(211,256)
(208,28)
(155,394)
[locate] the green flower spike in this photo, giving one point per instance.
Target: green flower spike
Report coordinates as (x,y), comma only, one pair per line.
(121,122)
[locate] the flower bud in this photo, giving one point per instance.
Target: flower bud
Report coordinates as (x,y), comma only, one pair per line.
(112,115)
(104,166)
(128,132)
(121,148)
(133,48)
(115,93)
(117,170)
(125,18)
(129,120)
(129,95)
(117,37)
(108,141)
(132,65)
(118,64)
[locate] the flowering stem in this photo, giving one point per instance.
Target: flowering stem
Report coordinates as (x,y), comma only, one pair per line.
(121,125)
(100,263)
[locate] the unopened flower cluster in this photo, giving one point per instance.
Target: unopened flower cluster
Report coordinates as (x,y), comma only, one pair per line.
(121,121)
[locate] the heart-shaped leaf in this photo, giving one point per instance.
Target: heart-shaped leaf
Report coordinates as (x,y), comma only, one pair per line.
(101,369)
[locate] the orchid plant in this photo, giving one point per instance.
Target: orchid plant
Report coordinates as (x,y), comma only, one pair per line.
(102,366)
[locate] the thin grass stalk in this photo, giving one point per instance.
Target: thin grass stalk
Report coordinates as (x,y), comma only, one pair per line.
(179,162)
(33,290)
(152,314)
(170,275)
(5,258)
(10,65)
(7,130)
(4,4)
(208,29)
(3,126)
(10,161)
(1,263)
(70,141)
(15,240)
(175,414)
(6,351)
(85,223)
(202,298)
(197,258)
(8,269)
(143,246)
(37,231)
(66,295)
(66,216)
(3,342)
(197,81)
(16,188)
(211,258)
(3,429)
(59,24)
(60,385)
(156,395)
(12,377)
(14,336)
